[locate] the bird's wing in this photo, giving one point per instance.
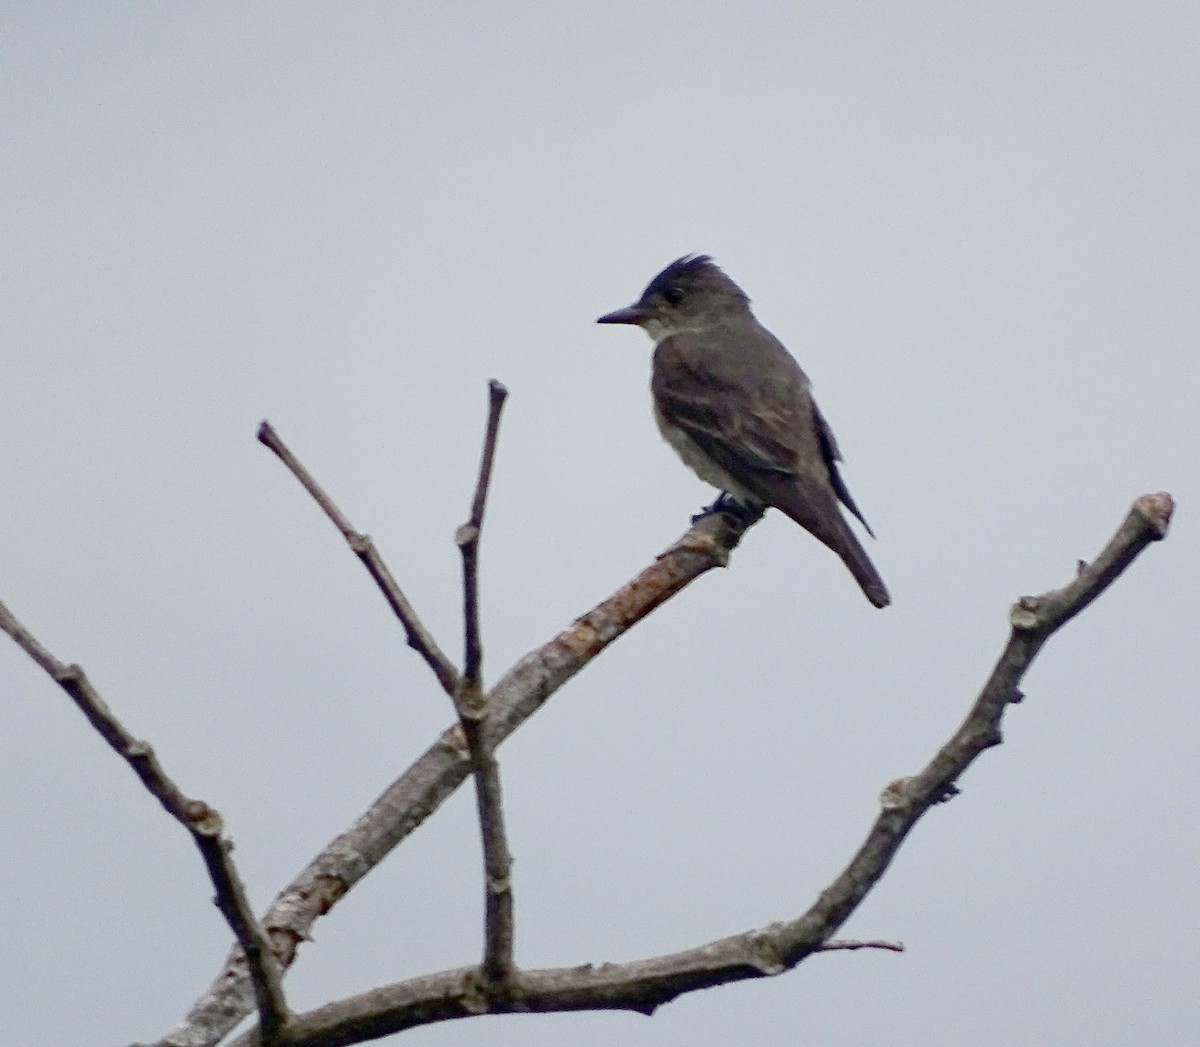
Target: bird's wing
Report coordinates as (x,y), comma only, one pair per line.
(727,413)
(757,431)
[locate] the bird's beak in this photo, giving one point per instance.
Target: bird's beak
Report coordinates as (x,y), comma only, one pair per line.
(629,315)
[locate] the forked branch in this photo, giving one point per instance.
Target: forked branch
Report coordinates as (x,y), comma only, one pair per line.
(420,790)
(646,984)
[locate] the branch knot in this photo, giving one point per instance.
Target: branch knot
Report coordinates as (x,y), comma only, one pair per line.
(1157,509)
(1025,615)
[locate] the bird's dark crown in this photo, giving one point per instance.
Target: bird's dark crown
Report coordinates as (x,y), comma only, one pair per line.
(693,269)
(689,263)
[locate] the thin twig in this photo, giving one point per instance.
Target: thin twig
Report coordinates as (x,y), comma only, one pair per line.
(467,538)
(645,985)
(419,638)
(201,821)
(472,708)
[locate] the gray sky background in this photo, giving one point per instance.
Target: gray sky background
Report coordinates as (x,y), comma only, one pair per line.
(976,226)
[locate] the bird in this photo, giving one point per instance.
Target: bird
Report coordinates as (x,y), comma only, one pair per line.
(736,407)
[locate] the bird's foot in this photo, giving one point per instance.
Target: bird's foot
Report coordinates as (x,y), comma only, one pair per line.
(740,512)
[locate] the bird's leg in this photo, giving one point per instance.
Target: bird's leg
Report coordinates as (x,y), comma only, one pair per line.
(741,512)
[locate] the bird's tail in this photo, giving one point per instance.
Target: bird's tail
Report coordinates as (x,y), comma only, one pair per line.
(830,527)
(855,557)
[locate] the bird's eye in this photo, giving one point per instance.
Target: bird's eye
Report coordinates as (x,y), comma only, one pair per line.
(674,295)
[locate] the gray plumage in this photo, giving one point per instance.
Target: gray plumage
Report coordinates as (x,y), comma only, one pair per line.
(737,408)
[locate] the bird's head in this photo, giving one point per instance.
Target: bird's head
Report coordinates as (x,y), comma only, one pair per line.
(691,294)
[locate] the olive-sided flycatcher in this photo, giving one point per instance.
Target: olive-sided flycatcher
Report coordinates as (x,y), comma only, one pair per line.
(739,410)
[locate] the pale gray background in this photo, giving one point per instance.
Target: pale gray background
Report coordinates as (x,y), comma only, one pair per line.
(977,228)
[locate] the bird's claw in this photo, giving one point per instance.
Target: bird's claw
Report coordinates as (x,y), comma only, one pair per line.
(729,506)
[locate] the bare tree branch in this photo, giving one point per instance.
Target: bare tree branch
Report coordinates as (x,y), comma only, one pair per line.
(645,985)
(498,924)
(468,543)
(266,975)
(842,945)
(201,821)
(420,790)
(419,638)
(471,705)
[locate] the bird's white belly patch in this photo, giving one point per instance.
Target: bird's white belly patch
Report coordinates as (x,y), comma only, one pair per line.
(700,463)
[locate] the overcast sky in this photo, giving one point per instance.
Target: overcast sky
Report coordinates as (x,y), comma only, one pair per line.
(976,226)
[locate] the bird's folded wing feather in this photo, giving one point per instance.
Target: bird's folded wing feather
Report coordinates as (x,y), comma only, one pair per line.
(754,431)
(723,413)
(831,454)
